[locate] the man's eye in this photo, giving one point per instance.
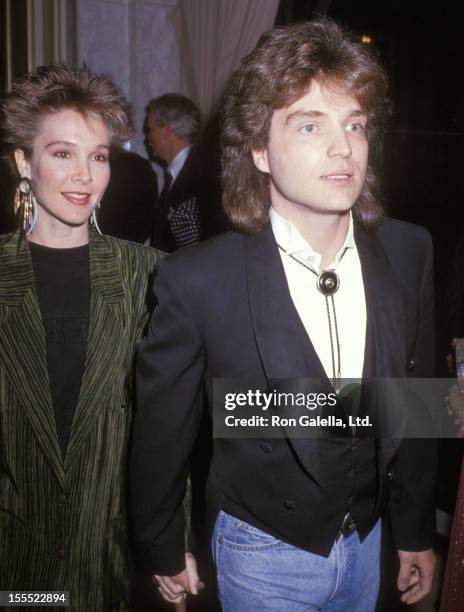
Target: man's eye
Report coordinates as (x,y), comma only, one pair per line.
(309,128)
(357,128)
(61,154)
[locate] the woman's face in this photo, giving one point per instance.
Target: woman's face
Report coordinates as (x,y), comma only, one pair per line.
(69,169)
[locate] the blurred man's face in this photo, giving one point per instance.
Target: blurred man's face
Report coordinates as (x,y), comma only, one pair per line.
(157,137)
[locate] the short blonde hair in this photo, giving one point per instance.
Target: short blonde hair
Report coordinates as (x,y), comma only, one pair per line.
(57,87)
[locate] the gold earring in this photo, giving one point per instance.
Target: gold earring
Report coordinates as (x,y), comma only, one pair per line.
(24,199)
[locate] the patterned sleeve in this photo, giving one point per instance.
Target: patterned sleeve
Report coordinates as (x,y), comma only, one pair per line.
(185,222)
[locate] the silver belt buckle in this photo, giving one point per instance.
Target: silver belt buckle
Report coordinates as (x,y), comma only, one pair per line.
(347,527)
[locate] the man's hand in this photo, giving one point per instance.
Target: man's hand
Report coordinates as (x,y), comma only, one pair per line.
(175,588)
(416,574)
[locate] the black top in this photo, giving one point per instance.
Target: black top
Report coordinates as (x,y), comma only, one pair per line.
(62,278)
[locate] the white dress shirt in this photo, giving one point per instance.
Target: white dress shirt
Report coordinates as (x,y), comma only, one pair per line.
(310,303)
(178,162)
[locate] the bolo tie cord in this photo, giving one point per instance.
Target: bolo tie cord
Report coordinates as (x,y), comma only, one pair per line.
(336,370)
(328,283)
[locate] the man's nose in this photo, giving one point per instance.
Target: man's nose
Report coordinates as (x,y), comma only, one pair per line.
(340,145)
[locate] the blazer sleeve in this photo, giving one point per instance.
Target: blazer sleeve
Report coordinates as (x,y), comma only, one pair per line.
(169,374)
(411,506)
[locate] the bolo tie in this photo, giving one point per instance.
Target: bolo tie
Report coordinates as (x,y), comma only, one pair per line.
(327,283)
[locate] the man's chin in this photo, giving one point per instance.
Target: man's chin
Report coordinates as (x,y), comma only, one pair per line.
(336,210)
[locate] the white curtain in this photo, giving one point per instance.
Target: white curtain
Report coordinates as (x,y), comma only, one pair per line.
(214,35)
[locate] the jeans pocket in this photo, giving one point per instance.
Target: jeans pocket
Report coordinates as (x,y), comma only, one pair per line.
(240,535)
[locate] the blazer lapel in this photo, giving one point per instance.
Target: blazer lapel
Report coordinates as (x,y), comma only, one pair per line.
(386,326)
(105,344)
(385,355)
(23,346)
(283,344)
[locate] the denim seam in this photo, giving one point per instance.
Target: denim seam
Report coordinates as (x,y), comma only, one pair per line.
(339,566)
(251,547)
(217,546)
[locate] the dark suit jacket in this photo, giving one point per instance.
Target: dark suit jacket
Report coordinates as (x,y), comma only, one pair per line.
(225,311)
(128,206)
(193,181)
(63,522)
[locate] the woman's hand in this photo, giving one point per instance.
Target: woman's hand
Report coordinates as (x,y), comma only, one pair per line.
(175,589)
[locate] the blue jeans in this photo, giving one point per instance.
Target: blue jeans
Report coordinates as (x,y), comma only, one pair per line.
(258,572)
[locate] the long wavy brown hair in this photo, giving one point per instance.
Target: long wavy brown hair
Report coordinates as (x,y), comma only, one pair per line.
(277,73)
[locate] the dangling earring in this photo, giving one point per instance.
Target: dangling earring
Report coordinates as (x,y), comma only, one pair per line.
(93,219)
(24,199)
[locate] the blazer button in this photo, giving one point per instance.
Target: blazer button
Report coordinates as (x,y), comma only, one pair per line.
(60,500)
(411,364)
(267,448)
(60,553)
(289,504)
(389,474)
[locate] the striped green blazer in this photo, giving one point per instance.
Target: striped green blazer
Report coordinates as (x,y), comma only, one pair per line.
(63,522)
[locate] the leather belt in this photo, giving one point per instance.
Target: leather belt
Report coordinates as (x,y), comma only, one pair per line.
(347,527)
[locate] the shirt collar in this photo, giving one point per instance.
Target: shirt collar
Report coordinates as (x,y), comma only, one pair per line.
(293,243)
(177,163)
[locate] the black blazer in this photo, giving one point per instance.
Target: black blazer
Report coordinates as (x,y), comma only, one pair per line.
(185,187)
(225,311)
(194,181)
(128,206)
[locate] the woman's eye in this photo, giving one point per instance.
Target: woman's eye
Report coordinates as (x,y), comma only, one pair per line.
(101,158)
(61,154)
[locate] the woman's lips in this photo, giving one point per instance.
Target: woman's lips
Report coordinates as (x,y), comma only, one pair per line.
(79,199)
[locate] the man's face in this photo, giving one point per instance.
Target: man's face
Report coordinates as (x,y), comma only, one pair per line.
(157,136)
(317,153)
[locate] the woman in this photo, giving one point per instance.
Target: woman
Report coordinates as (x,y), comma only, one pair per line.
(73,307)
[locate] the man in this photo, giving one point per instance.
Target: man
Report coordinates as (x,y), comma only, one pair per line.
(172,127)
(296,520)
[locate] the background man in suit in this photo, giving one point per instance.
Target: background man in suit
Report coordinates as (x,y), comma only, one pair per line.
(297,521)
(127,209)
(172,127)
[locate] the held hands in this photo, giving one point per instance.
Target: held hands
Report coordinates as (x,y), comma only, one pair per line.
(416,574)
(174,589)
